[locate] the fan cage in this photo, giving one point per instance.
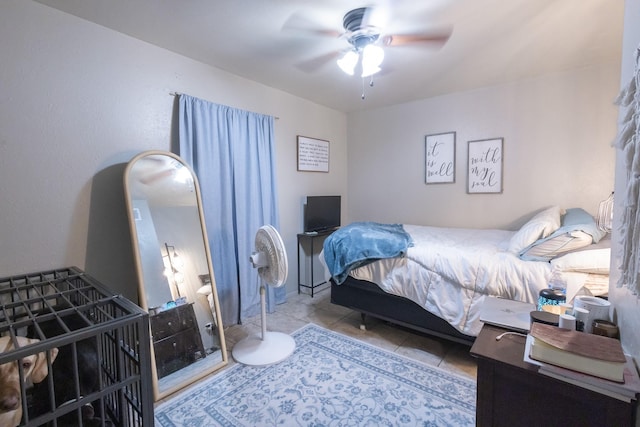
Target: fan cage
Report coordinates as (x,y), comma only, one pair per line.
(83,309)
(269,242)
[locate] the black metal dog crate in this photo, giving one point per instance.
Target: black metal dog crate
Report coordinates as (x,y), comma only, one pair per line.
(94,346)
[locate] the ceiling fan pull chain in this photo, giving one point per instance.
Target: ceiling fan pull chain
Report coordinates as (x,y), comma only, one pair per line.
(370,85)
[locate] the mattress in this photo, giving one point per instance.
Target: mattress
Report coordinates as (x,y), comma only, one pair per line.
(449,271)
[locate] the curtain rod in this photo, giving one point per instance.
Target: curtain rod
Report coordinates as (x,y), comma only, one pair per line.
(275,117)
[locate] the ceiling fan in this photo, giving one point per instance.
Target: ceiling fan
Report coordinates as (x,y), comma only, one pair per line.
(364,30)
(365,26)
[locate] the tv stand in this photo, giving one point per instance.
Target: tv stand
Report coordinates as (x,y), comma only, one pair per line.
(310,236)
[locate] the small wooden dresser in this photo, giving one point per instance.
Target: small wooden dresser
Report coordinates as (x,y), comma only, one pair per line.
(176,339)
(511,392)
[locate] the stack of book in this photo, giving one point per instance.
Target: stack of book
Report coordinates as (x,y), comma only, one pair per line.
(591,361)
(625,391)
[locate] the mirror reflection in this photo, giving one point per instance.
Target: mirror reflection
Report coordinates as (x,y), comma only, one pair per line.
(175,276)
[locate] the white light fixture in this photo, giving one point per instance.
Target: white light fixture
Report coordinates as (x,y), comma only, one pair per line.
(372,57)
(348,62)
(365,53)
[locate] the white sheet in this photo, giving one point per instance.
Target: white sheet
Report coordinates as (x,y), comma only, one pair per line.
(449,271)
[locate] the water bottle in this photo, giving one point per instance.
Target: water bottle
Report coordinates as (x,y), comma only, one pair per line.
(555,294)
(557,282)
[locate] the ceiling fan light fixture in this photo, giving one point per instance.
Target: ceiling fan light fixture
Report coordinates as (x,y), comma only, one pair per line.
(372,57)
(348,62)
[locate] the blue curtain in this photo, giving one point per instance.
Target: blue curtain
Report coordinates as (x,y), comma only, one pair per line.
(232,153)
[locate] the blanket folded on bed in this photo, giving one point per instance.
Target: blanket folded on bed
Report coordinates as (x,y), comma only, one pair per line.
(360,243)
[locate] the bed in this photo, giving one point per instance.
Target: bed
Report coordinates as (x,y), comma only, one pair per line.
(434,279)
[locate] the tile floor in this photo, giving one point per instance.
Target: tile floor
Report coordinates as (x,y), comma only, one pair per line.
(302,309)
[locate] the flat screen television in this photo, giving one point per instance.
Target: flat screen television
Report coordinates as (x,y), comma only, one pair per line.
(321,213)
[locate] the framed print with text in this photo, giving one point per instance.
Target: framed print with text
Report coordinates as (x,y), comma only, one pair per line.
(440,158)
(484,166)
(313,154)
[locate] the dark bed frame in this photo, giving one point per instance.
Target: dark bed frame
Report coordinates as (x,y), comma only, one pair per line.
(369,299)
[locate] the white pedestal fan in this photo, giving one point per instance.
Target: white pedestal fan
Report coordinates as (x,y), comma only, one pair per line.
(270,258)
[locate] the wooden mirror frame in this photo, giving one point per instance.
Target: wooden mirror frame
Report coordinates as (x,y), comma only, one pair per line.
(185,312)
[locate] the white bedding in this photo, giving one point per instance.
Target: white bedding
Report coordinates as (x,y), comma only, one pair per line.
(448,271)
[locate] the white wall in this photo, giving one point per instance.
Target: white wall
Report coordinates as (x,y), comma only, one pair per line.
(557,132)
(627,305)
(78,102)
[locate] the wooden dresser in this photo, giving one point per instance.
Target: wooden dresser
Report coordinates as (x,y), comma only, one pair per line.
(176,339)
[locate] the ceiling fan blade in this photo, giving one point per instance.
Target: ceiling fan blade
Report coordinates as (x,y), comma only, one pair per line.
(317,62)
(436,38)
(299,22)
(151,178)
(377,16)
(153,159)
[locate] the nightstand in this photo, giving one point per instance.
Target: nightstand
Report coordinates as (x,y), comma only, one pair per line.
(310,239)
(511,391)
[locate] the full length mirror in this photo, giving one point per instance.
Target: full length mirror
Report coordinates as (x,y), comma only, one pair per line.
(173,262)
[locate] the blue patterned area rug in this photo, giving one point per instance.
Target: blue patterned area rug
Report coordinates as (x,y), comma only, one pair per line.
(330,380)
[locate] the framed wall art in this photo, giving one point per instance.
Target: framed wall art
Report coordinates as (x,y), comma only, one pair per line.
(440,160)
(313,154)
(484,166)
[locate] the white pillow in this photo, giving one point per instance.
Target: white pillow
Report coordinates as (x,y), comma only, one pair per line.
(595,261)
(547,249)
(540,226)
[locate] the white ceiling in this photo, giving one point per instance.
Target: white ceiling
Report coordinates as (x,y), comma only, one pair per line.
(493,41)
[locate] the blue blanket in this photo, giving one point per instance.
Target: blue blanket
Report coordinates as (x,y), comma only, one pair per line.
(360,243)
